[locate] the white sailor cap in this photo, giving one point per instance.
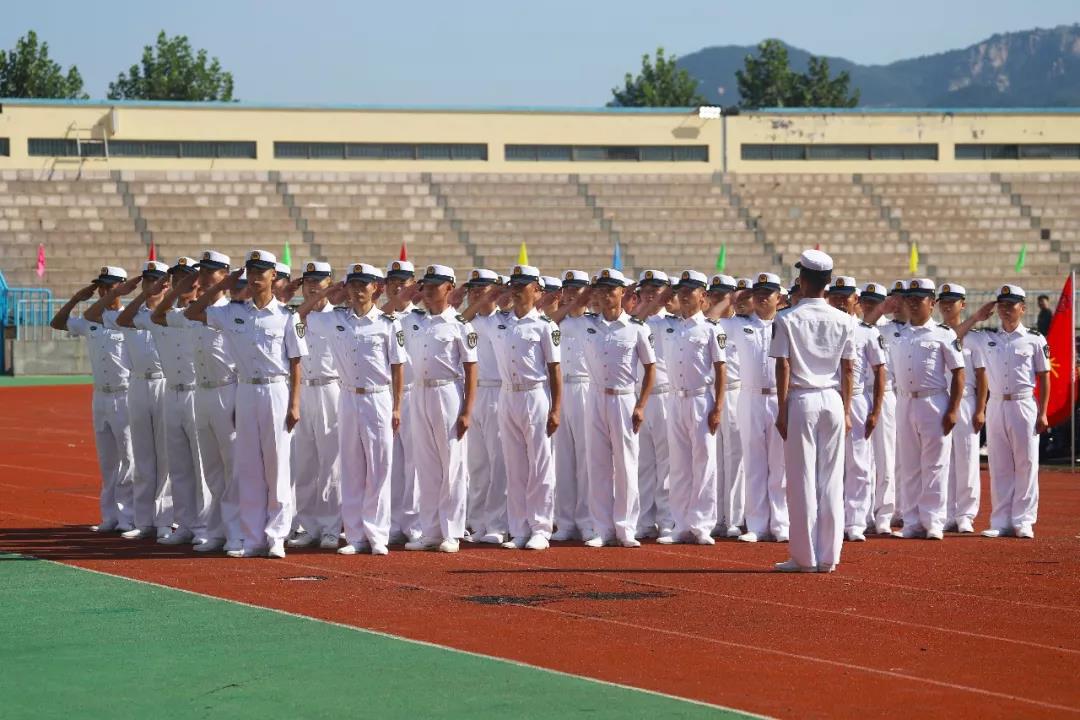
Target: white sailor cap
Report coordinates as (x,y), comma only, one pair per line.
(525,275)
(783,291)
(721,283)
(482,276)
(400,270)
(873,291)
(551,284)
(899,287)
(610,277)
(439,274)
(767,281)
(653,277)
(815,260)
(1011,293)
(317,269)
(284,272)
(363,272)
(261,260)
(951,291)
(575,278)
(692,279)
(843,285)
(110,275)
(214,260)
(184,264)
(154,269)
(920,287)
(744,284)
(504,279)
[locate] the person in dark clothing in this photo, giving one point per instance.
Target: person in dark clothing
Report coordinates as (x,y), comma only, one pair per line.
(1045,315)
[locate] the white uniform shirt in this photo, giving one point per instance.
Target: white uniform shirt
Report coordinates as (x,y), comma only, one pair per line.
(439,345)
(175,349)
(364,347)
(525,347)
(614,348)
(573,343)
(658,325)
(109,361)
(319,363)
(487,327)
(974,343)
(814,337)
(869,353)
(1012,359)
(142,351)
(692,350)
(263,340)
(407,319)
(733,363)
(923,357)
(890,330)
(214,363)
(751,337)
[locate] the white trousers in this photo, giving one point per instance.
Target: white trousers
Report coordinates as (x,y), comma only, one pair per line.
(858,495)
(654,466)
(316,477)
(814,459)
(763,464)
(883,444)
(963,489)
(1014,462)
(572,461)
(730,472)
(693,464)
(922,460)
(404,488)
(185,463)
(530,473)
(146,412)
(214,411)
(614,504)
(112,438)
(367,450)
(487,472)
(440,460)
(261,463)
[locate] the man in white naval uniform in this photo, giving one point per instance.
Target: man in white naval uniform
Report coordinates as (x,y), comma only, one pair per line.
(813,344)
(369,351)
(316,473)
(883,439)
(730,471)
(766,509)
(152,501)
(110,365)
(1016,360)
(929,366)
(267,346)
(486,514)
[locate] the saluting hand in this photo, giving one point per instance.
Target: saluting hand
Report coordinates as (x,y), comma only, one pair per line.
(457,296)
(85,293)
(126,287)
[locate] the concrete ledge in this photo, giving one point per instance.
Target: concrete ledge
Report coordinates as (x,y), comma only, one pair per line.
(49,357)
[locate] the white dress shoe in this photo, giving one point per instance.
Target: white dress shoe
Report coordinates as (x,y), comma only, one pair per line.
(823,568)
(492,538)
(449,545)
(964,526)
(277,550)
(702,538)
(301,540)
(1026,532)
(517,543)
(105,527)
(422,543)
(750,537)
(790,566)
(997,532)
(935,534)
(177,537)
(329,541)
(353,549)
(634,543)
(235,553)
(140,533)
(378,549)
(207,546)
(733,532)
(537,542)
(855,536)
(594,542)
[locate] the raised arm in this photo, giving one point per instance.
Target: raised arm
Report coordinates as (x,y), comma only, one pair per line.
(197,310)
(981,315)
(169,301)
(582,301)
(310,304)
(60,319)
(95,311)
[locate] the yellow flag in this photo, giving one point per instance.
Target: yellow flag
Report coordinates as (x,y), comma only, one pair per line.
(523,255)
(913,261)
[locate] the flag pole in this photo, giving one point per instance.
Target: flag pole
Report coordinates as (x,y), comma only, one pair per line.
(1072,378)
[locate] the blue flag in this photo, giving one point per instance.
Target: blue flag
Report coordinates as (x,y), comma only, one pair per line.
(616,257)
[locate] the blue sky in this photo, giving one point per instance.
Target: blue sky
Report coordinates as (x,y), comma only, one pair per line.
(483,52)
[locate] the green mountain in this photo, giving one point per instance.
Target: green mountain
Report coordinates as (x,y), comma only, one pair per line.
(1033,68)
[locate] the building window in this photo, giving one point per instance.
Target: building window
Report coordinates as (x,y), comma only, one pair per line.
(1019,151)
(5,147)
(791,151)
(63,147)
(608,153)
(379,151)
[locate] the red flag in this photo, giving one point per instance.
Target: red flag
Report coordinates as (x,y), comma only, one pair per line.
(817,246)
(153,251)
(1060,340)
(41,260)
(404,255)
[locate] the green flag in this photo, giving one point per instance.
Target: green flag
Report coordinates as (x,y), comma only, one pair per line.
(286,256)
(721,259)
(1021,258)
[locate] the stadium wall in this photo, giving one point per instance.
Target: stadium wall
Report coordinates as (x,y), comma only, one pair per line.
(241,136)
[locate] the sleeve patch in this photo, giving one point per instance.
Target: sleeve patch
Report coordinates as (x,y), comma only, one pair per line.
(471,340)
(1046,351)
(721,340)
(556,337)
(400,335)
(301,329)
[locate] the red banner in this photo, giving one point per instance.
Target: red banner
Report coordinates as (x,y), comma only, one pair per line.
(1061,339)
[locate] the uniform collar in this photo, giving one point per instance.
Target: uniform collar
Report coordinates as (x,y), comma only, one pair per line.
(533,314)
(1020,330)
(223,300)
(274,306)
(448,314)
(697,318)
(928,325)
(369,315)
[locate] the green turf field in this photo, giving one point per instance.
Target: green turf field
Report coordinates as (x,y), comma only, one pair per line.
(25,380)
(77,644)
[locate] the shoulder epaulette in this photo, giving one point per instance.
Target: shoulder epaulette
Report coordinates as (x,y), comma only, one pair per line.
(991,329)
(591,314)
(545,318)
(943,326)
(711,321)
(291,309)
(1033,331)
(418,311)
(388,317)
(461,319)
(639,321)
(746,317)
(505,313)
(866,325)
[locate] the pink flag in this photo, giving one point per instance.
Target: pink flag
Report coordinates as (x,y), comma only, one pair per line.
(41,260)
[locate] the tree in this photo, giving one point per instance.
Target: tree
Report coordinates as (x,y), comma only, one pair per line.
(27,72)
(170,71)
(659,85)
(768,81)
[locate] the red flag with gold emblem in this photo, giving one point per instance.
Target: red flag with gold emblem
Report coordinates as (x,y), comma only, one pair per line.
(1060,339)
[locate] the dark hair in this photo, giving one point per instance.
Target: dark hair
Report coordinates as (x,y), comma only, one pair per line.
(814,280)
(1044,297)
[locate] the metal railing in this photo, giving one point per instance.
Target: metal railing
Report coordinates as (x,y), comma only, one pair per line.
(32,317)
